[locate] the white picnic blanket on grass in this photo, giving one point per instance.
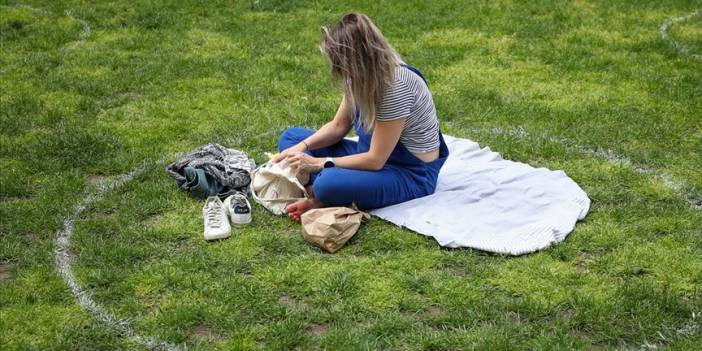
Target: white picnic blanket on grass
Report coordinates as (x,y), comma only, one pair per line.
(485,202)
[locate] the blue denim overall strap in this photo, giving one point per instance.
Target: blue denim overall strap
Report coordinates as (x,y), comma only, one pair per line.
(416,71)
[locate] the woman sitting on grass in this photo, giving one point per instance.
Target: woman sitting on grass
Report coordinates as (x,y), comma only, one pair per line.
(400,149)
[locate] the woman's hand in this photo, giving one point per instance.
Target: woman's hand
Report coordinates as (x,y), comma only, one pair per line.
(302,162)
(289,152)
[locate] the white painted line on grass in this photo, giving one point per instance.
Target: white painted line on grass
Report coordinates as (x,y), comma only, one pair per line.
(64,258)
(682,48)
(33,9)
(677,186)
(85,27)
(693,324)
(688,329)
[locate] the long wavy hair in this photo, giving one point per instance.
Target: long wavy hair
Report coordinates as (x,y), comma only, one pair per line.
(362,59)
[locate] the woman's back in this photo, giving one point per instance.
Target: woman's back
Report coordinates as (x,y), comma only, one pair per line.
(409,96)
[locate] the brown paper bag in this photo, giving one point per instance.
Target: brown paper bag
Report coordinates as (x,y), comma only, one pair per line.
(331,227)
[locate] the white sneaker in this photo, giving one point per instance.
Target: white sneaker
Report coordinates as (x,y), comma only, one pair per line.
(239,209)
(216,223)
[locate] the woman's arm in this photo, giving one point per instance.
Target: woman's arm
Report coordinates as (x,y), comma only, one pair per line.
(329,134)
(385,136)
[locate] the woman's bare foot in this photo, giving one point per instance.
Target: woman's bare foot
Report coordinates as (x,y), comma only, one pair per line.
(296,209)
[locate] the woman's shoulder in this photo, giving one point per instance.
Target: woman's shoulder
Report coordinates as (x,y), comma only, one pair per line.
(401,71)
(401,81)
(405,77)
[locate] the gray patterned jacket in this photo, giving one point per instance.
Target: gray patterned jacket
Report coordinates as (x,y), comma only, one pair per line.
(231,168)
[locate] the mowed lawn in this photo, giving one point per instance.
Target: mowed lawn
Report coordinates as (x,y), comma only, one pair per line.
(91,91)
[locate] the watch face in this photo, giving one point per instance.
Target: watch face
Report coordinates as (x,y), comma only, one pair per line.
(328,164)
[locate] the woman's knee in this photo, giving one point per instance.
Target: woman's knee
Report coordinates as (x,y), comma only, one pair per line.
(292,136)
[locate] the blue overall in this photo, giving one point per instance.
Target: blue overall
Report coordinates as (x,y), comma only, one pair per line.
(404,176)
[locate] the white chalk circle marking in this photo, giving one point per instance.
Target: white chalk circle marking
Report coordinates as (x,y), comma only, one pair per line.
(85,27)
(682,48)
(64,258)
(677,186)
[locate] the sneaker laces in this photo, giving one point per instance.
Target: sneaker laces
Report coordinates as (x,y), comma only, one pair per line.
(239,198)
(213,215)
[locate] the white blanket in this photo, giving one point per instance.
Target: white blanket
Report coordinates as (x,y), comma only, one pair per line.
(485,202)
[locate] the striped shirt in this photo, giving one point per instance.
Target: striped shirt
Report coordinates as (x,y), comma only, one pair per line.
(408,96)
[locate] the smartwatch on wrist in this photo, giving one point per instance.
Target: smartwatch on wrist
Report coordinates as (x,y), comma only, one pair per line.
(328,162)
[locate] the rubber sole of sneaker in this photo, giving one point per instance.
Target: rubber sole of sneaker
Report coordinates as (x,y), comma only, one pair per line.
(241,222)
(217,236)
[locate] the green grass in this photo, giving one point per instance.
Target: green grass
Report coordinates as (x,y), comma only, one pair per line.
(147,80)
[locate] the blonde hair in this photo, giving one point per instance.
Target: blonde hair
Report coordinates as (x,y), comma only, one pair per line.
(362,59)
